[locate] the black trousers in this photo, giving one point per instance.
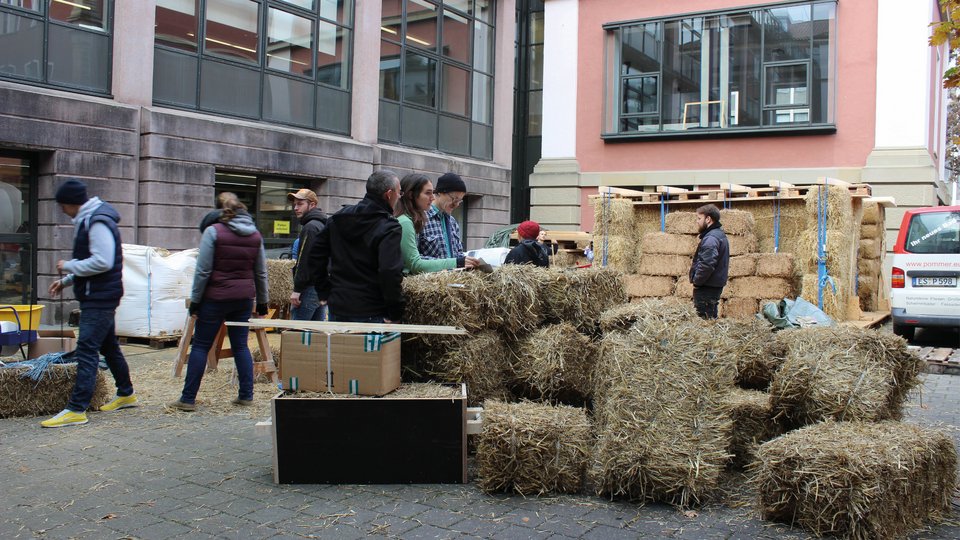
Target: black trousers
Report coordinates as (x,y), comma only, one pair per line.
(705,301)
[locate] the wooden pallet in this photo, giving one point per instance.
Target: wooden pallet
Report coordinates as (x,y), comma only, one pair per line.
(154,342)
(729,192)
(941,360)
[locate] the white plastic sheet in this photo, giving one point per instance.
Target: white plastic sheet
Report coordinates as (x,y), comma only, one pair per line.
(155,285)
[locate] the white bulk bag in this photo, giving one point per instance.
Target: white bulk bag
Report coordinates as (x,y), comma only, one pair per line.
(155,285)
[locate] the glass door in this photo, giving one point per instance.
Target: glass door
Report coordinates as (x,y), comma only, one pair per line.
(17,229)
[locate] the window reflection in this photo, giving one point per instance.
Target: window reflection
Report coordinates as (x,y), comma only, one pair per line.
(231,29)
(84,13)
(176,23)
(289,42)
(333,43)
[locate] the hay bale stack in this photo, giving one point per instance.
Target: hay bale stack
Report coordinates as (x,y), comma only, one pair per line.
(664,265)
(872,213)
(555,363)
(757,287)
(533,449)
(25,397)
(614,234)
(663,433)
(280,281)
(644,310)
(792,217)
(480,360)
(738,222)
(644,286)
(753,424)
(776,265)
(747,343)
(870,257)
(741,244)
(835,302)
(743,265)
(857,480)
(659,243)
(580,296)
(841,373)
(681,223)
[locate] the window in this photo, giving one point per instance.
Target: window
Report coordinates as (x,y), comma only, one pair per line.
(283,61)
(721,72)
(59,43)
(266,200)
(436,75)
(934,232)
(18,254)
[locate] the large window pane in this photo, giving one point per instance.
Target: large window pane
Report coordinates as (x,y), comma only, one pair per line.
(822,75)
(787,90)
(535,67)
(333,109)
(682,54)
(84,13)
(288,101)
(482,110)
(232,29)
(481,143)
(389,71)
(786,33)
(388,127)
(333,46)
(391,19)
(744,93)
(640,49)
(419,80)
(174,78)
(176,24)
(483,10)
(456,37)
(21,46)
(454,135)
(229,89)
(421,24)
(25,4)
(337,10)
(78,58)
(462,5)
(482,47)
(305,4)
(456,90)
(418,128)
(639,95)
(289,42)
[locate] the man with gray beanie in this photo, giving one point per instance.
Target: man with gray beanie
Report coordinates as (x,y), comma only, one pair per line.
(440,238)
(95,271)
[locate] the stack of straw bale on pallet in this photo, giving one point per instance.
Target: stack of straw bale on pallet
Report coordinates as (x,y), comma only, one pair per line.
(614,233)
(870,261)
(20,396)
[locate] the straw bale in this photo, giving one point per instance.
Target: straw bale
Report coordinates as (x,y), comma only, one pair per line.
(839,252)
(776,265)
(664,265)
(872,213)
(872,231)
(481,360)
(857,480)
(746,343)
(834,302)
(738,308)
(738,222)
(759,287)
(842,373)
(869,267)
(555,362)
(669,244)
(580,296)
(869,248)
(566,259)
(662,431)
(741,244)
(839,208)
(681,223)
(444,298)
(533,449)
(643,286)
(753,424)
(621,252)
(646,220)
(280,281)
(646,309)
(613,216)
(867,286)
(511,299)
(742,265)
(25,397)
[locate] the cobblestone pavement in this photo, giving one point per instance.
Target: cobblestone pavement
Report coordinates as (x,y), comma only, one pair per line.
(138,474)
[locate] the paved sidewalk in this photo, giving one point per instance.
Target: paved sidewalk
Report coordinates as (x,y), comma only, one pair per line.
(137,474)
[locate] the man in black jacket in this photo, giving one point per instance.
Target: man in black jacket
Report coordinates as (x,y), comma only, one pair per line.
(529,250)
(710,262)
(357,256)
(305,306)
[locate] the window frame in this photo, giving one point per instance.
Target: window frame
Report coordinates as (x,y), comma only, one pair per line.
(613,116)
(30,237)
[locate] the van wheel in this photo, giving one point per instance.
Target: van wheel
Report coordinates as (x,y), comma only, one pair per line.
(906,332)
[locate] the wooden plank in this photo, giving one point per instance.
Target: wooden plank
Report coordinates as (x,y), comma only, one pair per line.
(885,202)
(568,236)
(329,327)
(827,181)
(183,348)
(939,354)
(734,187)
(610,190)
(671,190)
(780,185)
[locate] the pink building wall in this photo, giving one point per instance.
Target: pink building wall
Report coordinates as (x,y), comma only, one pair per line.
(855,101)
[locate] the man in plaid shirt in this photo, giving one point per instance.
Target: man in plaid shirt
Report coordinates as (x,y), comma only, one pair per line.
(440,238)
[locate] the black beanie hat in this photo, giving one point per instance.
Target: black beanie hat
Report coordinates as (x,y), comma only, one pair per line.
(72,192)
(450,182)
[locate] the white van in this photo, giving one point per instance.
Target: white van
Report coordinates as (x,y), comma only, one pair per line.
(926,270)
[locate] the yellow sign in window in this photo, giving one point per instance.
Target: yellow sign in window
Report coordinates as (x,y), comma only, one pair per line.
(281,227)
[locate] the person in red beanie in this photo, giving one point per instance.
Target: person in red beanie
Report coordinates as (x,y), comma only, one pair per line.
(529,250)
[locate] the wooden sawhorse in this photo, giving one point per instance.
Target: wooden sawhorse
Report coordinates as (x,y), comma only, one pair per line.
(267,366)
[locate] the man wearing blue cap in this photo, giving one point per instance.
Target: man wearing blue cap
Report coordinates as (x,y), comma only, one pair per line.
(95,271)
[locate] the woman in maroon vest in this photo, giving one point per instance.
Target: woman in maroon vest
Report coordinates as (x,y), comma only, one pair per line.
(231,272)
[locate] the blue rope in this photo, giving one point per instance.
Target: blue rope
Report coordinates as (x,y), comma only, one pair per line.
(606,230)
(663,212)
(38,366)
(823,276)
(776,220)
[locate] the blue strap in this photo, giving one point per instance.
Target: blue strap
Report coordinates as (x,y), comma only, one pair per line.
(823,276)
(606,230)
(776,220)
(663,212)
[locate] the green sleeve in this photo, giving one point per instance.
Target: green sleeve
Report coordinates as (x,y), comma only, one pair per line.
(412,262)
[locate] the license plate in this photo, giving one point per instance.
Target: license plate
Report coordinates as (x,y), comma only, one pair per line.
(934,282)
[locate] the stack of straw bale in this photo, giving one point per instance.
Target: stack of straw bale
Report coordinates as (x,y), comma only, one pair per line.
(579,296)
(533,449)
(614,233)
(663,432)
(280,281)
(857,480)
(747,343)
(870,260)
(841,373)
(556,363)
(481,360)
(843,236)
(21,396)
(753,424)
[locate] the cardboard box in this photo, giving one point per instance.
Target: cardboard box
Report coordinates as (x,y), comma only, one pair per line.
(50,341)
(363,364)
(372,440)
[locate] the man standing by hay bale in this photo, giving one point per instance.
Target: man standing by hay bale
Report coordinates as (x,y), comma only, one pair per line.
(357,256)
(440,238)
(529,250)
(95,271)
(708,273)
(304,303)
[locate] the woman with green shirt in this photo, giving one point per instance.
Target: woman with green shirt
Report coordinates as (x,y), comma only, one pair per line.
(411,212)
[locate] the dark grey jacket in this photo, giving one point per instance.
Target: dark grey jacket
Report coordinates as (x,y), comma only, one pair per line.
(712,259)
(304,275)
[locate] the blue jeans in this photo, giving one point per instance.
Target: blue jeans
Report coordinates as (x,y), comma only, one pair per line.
(97,337)
(310,308)
(212,314)
(374,319)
